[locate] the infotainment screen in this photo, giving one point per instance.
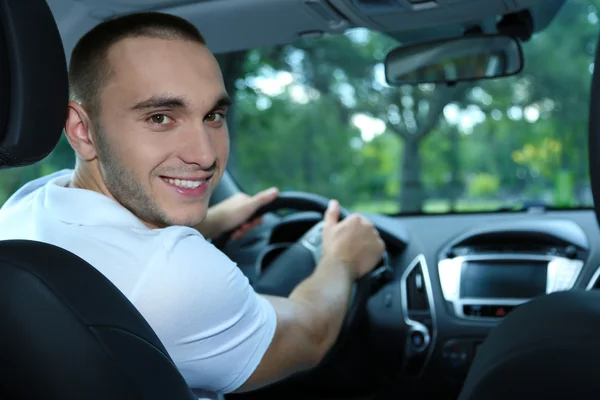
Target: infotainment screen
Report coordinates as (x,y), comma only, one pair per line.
(503,279)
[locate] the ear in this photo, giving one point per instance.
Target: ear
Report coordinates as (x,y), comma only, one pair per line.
(78,131)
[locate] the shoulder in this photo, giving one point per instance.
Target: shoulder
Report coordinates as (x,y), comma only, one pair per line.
(186,252)
(180,242)
(194,271)
(204,310)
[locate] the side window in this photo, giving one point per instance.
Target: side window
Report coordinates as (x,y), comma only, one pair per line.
(12,179)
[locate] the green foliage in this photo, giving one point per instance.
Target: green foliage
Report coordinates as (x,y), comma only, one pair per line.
(564,189)
(483,185)
(542,159)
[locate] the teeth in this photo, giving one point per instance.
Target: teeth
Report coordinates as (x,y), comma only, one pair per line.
(183,183)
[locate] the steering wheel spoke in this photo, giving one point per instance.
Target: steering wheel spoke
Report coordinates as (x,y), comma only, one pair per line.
(313,241)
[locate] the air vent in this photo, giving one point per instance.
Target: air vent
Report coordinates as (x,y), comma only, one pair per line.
(416,291)
(516,243)
(417,298)
(419,315)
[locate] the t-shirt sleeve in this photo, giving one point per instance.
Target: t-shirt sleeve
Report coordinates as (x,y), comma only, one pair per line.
(203,309)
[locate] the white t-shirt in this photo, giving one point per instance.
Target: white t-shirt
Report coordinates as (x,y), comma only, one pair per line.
(203,309)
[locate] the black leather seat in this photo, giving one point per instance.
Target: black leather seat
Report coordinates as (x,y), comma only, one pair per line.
(66,332)
(546,349)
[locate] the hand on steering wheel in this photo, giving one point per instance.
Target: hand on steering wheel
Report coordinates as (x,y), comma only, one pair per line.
(299,260)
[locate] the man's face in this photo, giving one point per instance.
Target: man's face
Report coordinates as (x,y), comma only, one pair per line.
(162,139)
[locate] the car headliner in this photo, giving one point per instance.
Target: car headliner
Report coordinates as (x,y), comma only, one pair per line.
(230,25)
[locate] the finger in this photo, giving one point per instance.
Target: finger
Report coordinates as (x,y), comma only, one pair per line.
(238,234)
(256,221)
(352,220)
(365,221)
(248,226)
(265,197)
(332,214)
(245,228)
(254,224)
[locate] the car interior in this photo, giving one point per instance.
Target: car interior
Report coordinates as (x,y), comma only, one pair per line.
(483,304)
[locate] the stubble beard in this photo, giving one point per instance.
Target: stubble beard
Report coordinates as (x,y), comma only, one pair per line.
(123,185)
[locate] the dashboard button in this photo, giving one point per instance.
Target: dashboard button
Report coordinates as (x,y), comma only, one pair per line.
(458,355)
(487,311)
(500,312)
(417,339)
(473,310)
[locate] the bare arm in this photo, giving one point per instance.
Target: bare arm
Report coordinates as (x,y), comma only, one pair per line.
(308,323)
(310,320)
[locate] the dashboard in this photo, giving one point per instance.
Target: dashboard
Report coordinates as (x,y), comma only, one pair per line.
(455,277)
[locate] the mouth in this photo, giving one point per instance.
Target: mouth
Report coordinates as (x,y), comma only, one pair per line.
(188,187)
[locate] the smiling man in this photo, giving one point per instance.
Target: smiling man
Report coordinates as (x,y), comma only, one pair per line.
(147,123)
(160,168)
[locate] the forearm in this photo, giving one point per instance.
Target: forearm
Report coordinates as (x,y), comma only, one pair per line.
(325,296)
(308,323)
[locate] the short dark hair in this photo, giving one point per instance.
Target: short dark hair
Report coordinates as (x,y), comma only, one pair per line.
(89,69)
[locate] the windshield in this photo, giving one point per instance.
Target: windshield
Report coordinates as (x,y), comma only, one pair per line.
(317,116)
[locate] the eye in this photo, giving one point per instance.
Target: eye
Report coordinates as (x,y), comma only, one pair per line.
(215,117)
(160,119)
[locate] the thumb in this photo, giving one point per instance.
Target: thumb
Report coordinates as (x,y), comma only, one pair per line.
(332,214)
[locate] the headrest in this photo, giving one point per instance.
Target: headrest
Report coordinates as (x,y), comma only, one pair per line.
(33,82)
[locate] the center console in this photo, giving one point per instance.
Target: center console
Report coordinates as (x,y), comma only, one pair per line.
(486,274)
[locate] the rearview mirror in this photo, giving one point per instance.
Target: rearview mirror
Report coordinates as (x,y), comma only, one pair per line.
(450,61)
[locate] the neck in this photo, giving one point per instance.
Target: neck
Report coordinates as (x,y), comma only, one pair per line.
(87,176)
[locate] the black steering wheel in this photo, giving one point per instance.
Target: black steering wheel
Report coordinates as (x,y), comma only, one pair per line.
(299,260)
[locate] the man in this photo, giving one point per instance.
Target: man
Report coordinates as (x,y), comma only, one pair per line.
(147,123)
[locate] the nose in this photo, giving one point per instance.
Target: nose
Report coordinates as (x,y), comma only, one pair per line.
(197,148)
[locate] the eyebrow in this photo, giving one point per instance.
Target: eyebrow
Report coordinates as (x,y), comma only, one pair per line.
(223,102)
(177,102)
(160,102)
